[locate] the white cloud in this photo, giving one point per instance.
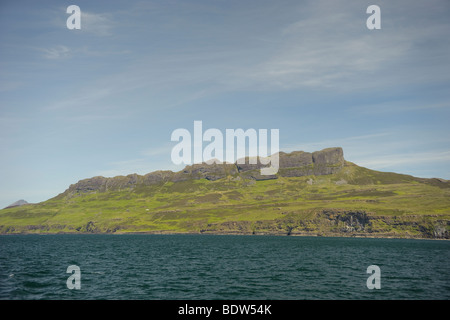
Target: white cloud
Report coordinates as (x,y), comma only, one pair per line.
(390,107)
(346,143)
(331,48)
(392,160)
(326,49)
(100,24)
(328,60)
(56,52)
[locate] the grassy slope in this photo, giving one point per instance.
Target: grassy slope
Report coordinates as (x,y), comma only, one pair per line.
(370,203)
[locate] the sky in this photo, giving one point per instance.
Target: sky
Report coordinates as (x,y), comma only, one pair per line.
(103,100)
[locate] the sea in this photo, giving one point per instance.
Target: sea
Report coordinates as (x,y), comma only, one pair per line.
(221,267)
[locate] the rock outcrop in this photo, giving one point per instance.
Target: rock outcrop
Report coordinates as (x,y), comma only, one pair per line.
(294,164)
(326,161)
(213,171)
(300,163)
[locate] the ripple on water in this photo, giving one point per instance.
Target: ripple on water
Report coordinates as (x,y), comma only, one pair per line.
(221,267)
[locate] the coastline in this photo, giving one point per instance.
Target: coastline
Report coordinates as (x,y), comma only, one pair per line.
(239,233)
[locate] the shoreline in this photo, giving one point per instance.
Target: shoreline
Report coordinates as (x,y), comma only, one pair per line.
(237,233)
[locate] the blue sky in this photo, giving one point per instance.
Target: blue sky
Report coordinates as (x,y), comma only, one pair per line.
(105,99)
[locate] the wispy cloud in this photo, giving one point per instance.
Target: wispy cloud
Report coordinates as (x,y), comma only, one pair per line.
(55,52)
(99,24)
(391,160)
(88,51)
(327,59)
(63,52)
(94,23)
(384,151)
(325,49)
(330,48)
(345,142)
(390,107)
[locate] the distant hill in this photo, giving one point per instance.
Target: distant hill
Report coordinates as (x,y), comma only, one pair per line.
(318,193)
(18,203)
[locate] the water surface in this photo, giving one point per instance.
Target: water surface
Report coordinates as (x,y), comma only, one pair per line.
(221,267)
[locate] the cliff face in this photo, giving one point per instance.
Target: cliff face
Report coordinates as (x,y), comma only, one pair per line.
(294,164)
(205,171)
(298,164)
(324,162)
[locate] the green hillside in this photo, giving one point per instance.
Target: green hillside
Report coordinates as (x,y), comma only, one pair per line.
(354,201)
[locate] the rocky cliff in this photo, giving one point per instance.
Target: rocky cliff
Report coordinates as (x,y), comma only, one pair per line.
(294,164)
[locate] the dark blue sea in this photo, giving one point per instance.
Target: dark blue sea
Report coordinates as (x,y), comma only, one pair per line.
(216,267)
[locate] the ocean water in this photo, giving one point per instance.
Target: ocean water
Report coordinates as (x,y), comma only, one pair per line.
(216,267)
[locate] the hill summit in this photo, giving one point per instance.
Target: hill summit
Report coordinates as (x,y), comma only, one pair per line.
(18,203)
(294,164)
